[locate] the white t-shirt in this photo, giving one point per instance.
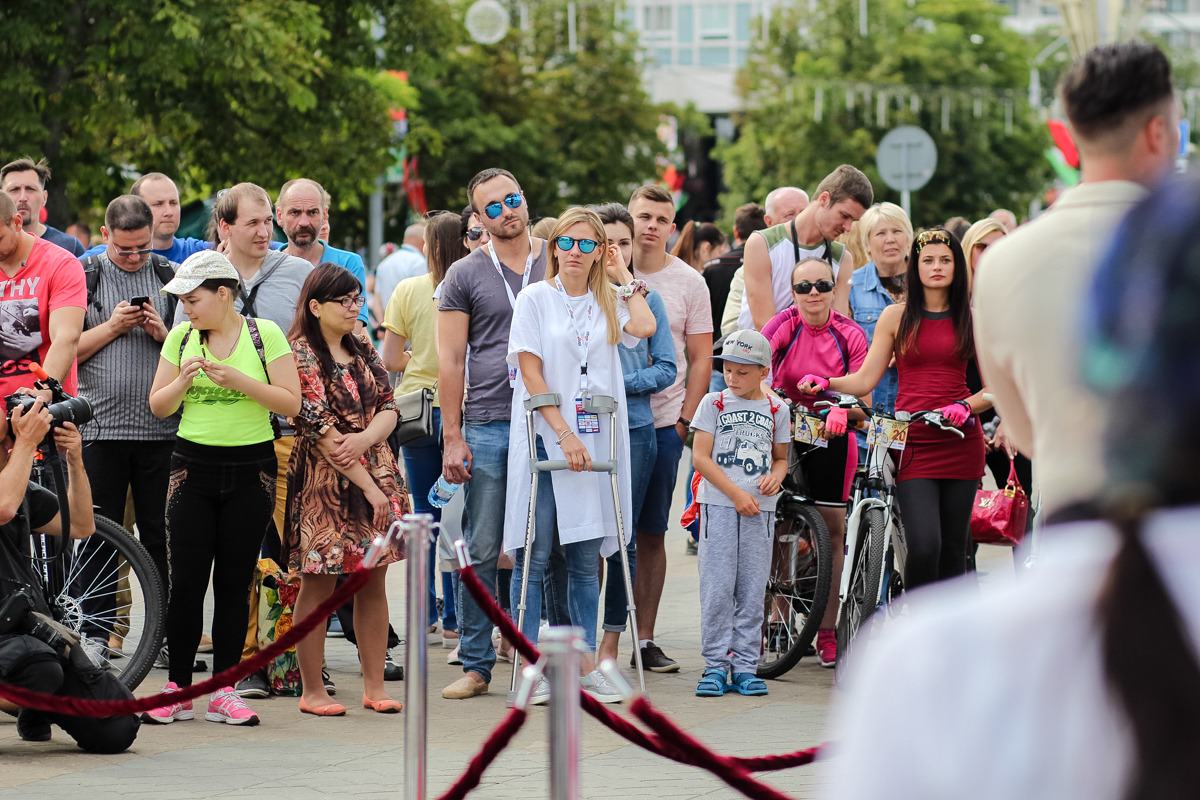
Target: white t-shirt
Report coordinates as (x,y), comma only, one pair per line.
(541,326)
(1003,695)
(743,434)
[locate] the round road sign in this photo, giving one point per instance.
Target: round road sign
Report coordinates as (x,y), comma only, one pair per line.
(907,158)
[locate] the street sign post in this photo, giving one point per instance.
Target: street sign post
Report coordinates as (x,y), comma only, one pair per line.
(906,160)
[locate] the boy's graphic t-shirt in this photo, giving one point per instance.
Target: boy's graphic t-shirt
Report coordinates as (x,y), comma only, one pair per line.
(743,434)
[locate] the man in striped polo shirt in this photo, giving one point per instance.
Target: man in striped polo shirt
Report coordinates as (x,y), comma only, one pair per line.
(127,448)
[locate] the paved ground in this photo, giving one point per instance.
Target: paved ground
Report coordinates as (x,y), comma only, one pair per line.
(362,755)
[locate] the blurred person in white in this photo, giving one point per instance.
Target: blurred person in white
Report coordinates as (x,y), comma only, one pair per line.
(1083,680)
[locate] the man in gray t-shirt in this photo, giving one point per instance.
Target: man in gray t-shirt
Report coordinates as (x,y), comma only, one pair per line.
(475,312)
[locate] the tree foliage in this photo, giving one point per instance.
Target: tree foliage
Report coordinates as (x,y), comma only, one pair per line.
(922,49)
(209,91)
(574,126)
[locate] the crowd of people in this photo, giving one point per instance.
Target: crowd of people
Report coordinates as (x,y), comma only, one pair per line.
(245,407)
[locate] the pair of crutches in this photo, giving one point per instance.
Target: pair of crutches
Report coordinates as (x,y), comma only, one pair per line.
(594,404)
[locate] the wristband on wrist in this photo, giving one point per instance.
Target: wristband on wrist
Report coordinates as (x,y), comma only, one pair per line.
(564,435)
(635,286)
(964,404)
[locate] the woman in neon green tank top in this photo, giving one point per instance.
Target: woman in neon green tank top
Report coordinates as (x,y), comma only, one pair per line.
(228,374)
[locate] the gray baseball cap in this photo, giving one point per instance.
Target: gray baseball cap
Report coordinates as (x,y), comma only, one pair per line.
(198,268)
(746,347)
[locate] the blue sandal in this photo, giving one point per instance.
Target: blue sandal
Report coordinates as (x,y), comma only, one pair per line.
(712,684)
(748,683)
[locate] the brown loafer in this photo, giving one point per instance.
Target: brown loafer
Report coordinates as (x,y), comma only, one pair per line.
(469,685)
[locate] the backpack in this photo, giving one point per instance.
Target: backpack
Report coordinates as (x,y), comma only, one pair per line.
(256,337)
(162,269)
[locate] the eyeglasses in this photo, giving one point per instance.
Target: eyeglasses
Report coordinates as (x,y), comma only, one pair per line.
(474,233)
(806,287)
(358,301)
(565,243)
(494,210)
(131,253)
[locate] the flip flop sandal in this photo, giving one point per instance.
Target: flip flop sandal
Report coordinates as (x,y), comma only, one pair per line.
(748,683)
(712,684)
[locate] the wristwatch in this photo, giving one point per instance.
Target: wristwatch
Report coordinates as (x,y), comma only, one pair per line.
(687,423)
(637,285)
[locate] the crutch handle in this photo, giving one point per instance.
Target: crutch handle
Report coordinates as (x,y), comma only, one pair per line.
(544,399)
(558,466)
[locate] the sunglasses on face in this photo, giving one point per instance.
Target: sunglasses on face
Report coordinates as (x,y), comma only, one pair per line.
(565,243)
(357,301)
(494,210)
(474,233)
(131,253)
(806,287)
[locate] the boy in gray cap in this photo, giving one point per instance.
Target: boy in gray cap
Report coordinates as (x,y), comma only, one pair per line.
(740,451)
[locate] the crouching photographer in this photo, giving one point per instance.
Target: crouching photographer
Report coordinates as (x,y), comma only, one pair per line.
(36,651)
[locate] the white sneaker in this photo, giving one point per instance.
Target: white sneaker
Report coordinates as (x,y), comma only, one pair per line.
(595,684)
(541,692)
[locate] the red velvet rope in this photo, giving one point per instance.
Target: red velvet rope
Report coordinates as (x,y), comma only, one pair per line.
(724,767)
(497,741)
(617,724)
(80,707)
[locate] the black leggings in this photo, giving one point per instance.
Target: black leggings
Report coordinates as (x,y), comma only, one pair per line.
(219,504)
(937,526)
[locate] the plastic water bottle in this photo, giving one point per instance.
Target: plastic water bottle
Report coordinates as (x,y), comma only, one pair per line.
(441,492)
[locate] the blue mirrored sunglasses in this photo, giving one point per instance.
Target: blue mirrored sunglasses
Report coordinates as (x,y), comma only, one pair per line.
(494,210)
(565,243)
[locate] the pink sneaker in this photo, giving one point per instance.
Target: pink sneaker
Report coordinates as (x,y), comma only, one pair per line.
(164,715)
(226,706)
(827,647)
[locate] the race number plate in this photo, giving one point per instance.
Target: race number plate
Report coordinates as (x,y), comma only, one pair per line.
(810,430)
(890,433)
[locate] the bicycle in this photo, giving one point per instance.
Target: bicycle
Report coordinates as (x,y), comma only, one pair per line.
(801,573)
(105,587)
(876,551)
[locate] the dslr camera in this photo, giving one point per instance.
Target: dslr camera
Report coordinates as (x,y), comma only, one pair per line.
(70,408)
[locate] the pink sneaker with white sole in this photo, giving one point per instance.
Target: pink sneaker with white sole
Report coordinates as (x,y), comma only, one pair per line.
(165,715)
(226,706)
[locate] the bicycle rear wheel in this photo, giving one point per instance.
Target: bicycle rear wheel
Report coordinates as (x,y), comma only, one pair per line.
(862,597)
(114,598)
(797,589)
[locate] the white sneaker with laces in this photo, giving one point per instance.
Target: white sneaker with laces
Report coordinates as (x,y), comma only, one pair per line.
(595,684)
(541,692)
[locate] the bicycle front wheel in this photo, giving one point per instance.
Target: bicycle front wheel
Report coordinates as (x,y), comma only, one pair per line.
(114,598)
(863,594)
(797,589)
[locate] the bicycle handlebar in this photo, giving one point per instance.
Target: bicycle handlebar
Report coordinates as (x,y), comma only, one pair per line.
(931,418)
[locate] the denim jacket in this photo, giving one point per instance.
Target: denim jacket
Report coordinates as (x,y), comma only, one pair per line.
(649,366)
(868,299)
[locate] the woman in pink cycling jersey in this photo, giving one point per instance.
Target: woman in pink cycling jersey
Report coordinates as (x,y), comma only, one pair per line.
(810,337)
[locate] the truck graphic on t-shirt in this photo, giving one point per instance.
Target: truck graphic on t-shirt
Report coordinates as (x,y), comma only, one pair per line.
(747,454)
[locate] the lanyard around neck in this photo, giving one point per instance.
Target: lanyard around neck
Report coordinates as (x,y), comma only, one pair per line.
(512,300)
(582,338)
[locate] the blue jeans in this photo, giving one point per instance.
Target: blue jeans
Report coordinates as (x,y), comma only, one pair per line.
(643,449)
(423,463)
(583,578)
(483,530)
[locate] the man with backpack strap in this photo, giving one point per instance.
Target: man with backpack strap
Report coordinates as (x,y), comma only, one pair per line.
(127,449)
(772,254)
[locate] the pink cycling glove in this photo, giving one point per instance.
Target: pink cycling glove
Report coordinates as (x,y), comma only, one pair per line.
(822,384)
(835,422)
(955,413)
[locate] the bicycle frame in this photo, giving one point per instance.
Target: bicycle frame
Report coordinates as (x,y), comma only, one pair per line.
(878,479)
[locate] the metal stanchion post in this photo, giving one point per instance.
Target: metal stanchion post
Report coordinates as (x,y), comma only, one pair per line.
(561,647)
(416,529)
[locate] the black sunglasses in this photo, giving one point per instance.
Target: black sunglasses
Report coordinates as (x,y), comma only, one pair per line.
(806,287)
(474,233)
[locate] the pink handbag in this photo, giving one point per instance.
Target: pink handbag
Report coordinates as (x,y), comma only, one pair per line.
(998,516)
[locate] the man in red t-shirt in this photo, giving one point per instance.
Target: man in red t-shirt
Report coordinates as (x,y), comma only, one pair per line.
(43,297)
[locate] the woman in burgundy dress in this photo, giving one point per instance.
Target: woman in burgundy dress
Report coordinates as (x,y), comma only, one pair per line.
(931,339)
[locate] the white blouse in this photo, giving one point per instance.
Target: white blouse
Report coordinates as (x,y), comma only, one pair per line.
(542,326)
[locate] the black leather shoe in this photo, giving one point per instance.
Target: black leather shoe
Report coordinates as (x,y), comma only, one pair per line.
(391,670)
(32,726)
(655,660)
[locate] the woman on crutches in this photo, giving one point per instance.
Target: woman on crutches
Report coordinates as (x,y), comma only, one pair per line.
(564,338)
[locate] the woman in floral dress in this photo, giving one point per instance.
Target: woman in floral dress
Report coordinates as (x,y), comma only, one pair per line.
(343,486)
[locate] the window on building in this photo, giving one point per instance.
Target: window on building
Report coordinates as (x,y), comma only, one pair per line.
(714,56)
(743,53)
(714,21)
(1177,6)
(656,21)
(685,57)
(686,15)
(662,56)
(745,12)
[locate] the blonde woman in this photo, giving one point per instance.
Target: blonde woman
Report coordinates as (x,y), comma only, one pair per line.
(564,338)
(977,239)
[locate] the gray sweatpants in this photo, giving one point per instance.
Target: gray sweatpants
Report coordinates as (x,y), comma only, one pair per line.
(735,561)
